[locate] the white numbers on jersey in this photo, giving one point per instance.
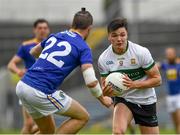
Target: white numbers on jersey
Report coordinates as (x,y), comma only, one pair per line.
(52,41)
(50,56)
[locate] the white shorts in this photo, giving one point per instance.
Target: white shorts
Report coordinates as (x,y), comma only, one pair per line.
(39,104)
(173,103)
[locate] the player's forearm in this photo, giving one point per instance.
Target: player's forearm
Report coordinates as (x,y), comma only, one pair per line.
(90,80)
(13,68)
(95,88)
(34,53)
(149,83)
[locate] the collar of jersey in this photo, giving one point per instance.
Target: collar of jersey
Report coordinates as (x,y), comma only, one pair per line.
(31,41)
(75,31)
(124,51)
(36,40)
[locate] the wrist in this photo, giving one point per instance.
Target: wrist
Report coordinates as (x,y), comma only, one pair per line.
(96,91)
(137,84)
(100,98)
(18,72)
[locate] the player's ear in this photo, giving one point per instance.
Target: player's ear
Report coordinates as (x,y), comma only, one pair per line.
(89,27)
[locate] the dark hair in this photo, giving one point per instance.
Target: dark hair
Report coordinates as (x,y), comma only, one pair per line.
(40,21)
(117,23)
(82,19)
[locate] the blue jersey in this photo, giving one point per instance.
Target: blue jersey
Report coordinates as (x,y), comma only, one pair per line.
(173,77)
(62,53)
(23,52)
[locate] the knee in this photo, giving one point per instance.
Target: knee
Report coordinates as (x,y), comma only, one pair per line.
(118,130)
(85,118)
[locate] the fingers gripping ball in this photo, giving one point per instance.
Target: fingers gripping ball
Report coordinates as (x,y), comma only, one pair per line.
(116,81)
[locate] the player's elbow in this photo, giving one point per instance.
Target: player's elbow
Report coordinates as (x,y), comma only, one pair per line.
(33,53)
(92,84)
(9,66)
(159,81)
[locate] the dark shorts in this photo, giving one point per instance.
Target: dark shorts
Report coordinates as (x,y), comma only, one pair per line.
(144,115)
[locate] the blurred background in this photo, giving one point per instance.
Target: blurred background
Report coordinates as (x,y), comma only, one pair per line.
(154,24)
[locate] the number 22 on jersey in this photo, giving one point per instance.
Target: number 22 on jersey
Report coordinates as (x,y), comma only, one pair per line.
(50,55)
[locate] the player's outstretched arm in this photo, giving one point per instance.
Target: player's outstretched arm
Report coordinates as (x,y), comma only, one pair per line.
(36,51)
(93,84)
(13,66)
(153,80)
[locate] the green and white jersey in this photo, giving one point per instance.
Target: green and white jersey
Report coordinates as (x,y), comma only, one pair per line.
(134,62)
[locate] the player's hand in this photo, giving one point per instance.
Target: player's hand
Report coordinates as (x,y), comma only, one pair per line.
(129,83)
(21,72)
(107,91)
(106,101)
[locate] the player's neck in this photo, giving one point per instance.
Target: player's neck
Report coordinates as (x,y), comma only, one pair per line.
(120,51)
(80,32)
(172,62)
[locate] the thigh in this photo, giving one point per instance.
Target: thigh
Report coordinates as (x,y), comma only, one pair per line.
(122,116)
(172,103)
(26,116)
(176,117)
(27,95)
(76,110)
(40,104)
(149,130)
(145,115)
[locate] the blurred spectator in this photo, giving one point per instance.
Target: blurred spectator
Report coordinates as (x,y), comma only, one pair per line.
(41,31)
(171,67)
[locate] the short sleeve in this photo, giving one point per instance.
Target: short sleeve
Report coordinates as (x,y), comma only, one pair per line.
(103,70)
(146,61)
(86,56)
(21,52)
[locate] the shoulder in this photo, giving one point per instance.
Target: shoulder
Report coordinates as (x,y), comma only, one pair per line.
(178,60)
(138,49)
(135,46)
(81,44)
(163,64)
(30,42)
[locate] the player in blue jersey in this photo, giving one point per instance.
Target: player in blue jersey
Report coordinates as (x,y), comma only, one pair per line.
(58,55)
(172,69)
(41,31)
